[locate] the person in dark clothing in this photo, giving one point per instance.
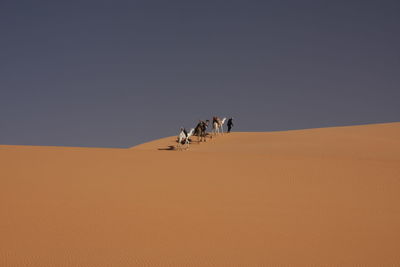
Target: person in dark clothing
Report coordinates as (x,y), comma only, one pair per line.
(230,124)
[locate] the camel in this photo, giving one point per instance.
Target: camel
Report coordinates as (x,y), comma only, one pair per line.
(183,138)
(217,125)
(201,131)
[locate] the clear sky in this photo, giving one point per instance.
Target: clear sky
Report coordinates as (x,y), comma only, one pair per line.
(118,73)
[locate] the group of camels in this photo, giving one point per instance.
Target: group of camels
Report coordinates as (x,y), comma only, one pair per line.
(200,131)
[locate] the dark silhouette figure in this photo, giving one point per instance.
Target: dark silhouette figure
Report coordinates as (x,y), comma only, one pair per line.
(230,124)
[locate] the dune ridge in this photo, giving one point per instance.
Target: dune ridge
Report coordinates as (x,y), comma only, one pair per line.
(317,197)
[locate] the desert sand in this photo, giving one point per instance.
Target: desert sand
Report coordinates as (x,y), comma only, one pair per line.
(316,197)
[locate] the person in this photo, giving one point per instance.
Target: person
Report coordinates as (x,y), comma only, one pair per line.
(230,124)
(181,138)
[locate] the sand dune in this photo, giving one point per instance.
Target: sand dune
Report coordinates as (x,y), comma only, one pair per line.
(318,197)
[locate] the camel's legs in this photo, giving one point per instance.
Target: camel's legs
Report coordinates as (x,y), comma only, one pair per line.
(187,143)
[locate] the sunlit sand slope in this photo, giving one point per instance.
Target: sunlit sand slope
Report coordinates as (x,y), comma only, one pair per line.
(319,197)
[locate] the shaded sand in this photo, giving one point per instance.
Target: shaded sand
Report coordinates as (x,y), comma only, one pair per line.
(319,197)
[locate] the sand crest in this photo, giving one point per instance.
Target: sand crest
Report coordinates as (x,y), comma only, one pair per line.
(318,197)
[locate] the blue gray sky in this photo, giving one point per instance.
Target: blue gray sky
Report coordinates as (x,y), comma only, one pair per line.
(119,73)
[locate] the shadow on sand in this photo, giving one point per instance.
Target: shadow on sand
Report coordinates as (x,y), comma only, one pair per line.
(167,148)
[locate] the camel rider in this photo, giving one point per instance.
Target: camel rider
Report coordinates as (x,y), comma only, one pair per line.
(215,120)
(230,124)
